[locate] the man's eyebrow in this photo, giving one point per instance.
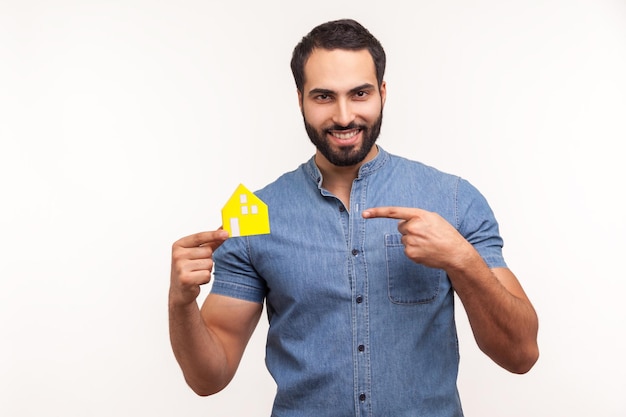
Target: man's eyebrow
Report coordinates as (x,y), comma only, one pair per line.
(320,91)
(362,87)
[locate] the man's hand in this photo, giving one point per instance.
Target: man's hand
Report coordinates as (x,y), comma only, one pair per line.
(427,237)
(192,263)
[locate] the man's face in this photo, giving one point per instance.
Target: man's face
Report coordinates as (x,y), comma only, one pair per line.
(342,105)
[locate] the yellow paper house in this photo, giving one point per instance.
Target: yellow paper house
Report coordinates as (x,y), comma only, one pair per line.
(245,214)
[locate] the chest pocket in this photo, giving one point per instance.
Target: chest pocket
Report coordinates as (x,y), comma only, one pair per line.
(409,282)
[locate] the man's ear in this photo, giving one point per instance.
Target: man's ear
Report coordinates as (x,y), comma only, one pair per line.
(383,92)
(300,100)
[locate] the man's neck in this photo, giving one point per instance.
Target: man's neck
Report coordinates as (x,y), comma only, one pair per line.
(337,179)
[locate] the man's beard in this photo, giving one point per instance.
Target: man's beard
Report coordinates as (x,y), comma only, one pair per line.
(346,155)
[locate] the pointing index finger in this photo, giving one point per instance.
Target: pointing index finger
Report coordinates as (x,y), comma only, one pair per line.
(400,213)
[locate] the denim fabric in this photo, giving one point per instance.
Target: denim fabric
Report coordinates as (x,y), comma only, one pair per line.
(356,328)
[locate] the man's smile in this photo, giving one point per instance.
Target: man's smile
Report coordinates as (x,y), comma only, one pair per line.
(345,134)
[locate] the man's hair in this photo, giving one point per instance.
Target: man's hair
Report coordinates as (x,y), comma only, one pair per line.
(338,34)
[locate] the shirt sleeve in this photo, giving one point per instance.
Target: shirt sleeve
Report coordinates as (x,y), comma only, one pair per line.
(477,223)
(234,276)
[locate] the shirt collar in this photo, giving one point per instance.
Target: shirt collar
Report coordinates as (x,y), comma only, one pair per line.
(365,170)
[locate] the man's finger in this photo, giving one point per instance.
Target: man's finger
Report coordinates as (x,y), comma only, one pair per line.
(400,213)
(213,239)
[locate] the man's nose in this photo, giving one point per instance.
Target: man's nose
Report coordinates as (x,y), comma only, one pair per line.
(343,115)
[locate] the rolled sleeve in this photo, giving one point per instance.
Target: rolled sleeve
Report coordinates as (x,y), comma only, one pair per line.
(234,275)
(478,224)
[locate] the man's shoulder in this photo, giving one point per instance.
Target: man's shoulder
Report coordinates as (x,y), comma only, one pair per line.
(287,182)
(420,168)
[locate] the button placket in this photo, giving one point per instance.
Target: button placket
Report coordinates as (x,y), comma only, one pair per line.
(362,388)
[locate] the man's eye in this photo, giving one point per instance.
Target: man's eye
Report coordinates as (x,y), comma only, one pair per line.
(361,94)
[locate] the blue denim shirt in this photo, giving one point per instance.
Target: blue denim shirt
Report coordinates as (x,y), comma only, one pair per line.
(356,328)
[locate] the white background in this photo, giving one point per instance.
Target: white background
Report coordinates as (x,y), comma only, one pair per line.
(125,125)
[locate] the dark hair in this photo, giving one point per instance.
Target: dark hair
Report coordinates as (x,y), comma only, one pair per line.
(338,34)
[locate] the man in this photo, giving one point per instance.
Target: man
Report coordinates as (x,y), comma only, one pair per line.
(358,273)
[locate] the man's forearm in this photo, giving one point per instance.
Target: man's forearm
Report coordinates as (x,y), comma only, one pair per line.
(502,318)
(197,351)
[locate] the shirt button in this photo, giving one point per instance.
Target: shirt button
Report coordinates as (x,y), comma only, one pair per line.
(355,252)
(342,209)
(359,299)
(361,348)
(362,397)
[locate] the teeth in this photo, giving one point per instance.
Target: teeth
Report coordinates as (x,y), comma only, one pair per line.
(347,135)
